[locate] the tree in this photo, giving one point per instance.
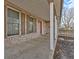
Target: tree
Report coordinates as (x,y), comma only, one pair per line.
(68,17)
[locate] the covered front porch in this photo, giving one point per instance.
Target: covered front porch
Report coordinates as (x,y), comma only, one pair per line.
(37,48)
(34,19)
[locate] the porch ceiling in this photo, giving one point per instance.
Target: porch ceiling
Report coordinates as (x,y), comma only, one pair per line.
(38,8)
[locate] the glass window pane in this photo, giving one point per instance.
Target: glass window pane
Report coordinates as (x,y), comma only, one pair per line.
(9,29)
(15,29)
(13,22)
(13,14)
(31,25)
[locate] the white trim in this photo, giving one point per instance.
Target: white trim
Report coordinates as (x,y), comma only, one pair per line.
(20,23)
(6,22)
(55,28)
(13,9)
(25,24)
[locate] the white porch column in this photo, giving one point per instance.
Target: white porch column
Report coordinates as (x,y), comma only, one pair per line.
(51,30)
(51,26)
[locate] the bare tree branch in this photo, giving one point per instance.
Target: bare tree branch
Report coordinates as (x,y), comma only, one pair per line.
(68,17)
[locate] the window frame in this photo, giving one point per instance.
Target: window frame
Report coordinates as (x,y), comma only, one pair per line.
(33,31)
(12,8)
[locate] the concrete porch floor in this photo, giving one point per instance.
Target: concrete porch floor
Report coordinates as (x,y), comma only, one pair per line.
(39,49)
(32,49)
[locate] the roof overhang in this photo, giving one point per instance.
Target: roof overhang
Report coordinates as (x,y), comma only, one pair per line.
(58,4)
(39,8)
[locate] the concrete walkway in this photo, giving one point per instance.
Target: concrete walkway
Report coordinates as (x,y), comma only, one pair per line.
(33,49)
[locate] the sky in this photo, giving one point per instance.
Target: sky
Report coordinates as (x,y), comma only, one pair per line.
(68,3)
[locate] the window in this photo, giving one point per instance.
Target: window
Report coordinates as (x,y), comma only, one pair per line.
(31,25)
(13,22)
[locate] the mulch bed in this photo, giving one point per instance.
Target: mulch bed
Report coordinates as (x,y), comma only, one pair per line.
(64,49)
